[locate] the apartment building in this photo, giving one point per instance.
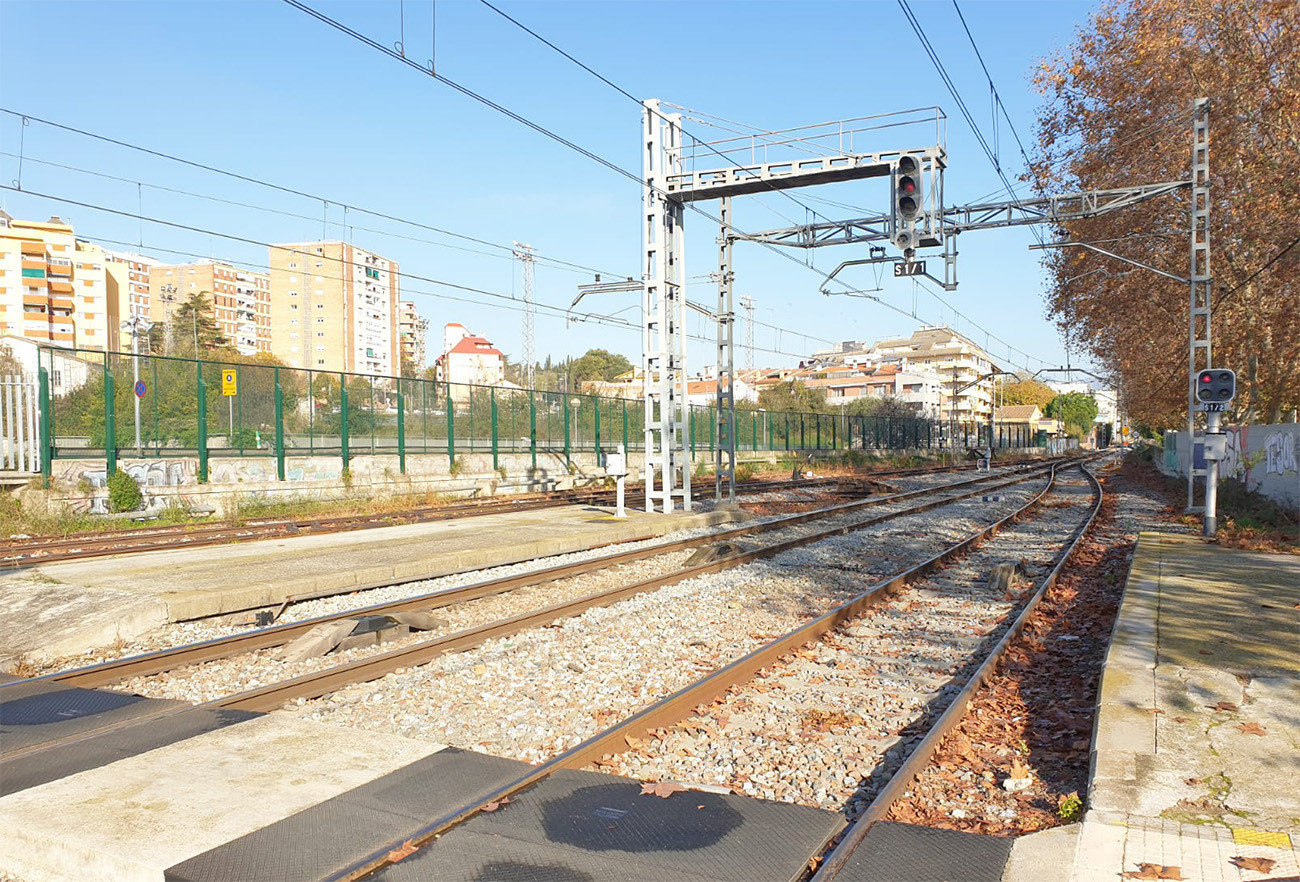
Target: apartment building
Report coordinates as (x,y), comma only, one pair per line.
(128,282)
(335,308)
(53,288)
(956,359)
(240,300)
(468,360)
(928,368)
(411,330)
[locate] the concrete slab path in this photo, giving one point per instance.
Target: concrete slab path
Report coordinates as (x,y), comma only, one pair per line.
(1196,754)
(66,608)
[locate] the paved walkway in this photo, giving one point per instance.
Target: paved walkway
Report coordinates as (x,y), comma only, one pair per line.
(1196,762)
(67,608)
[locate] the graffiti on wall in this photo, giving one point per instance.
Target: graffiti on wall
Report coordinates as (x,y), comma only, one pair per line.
(1279,453)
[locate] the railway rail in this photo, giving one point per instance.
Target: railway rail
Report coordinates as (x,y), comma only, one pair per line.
(846,518)
(766,662)
(34,552)
(45,550)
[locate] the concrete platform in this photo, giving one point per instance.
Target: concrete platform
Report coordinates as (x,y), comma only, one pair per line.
(131,820)
(67,608)
(595,827)
(1196,753)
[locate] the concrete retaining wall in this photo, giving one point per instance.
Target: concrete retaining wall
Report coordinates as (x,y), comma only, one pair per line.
(1264,458)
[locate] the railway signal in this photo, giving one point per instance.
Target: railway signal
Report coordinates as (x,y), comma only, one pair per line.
(1215,386)
(907,201)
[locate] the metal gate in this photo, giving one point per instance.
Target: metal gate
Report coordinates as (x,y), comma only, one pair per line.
(19,419)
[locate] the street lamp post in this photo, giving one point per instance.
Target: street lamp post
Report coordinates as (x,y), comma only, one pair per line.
(135,325)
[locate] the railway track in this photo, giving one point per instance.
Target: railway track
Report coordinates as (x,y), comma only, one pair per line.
(693,708)
(783,533)
(818,660)
(37,551)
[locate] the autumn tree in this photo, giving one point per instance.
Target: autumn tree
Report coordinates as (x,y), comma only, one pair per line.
(1027,392)
(1118,113)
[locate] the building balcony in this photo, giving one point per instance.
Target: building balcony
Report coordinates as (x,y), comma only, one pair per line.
(60,266)
(35,300)
(33,264)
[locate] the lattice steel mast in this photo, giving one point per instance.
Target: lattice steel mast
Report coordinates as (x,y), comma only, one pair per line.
(527,255)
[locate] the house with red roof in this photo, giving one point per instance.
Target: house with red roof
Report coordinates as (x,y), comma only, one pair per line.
(468,360)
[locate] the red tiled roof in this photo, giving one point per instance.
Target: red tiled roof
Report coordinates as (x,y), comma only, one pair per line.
(476,346)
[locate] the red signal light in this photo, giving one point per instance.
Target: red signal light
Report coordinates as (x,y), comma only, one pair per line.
(1207,378)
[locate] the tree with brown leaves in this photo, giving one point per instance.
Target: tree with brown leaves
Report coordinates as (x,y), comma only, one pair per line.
(1118,113)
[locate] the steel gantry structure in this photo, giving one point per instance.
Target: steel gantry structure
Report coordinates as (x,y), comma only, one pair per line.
(669,187)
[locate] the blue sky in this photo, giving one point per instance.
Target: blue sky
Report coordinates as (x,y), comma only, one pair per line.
(262,89)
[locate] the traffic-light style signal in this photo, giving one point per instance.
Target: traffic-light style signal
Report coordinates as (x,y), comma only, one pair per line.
(1215,386)
(907,201)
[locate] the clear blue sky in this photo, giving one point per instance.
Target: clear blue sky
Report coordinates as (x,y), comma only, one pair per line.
(262,89)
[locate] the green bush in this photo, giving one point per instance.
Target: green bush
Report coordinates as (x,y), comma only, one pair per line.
(123,492)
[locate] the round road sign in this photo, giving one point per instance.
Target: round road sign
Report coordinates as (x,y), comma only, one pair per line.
(140,388)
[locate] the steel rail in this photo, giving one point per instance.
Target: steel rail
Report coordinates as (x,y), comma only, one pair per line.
(952,716)
(105,673)
(674,707)
(319,683)
(36,552)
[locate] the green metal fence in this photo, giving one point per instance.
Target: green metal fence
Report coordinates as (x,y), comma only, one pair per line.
(107,405)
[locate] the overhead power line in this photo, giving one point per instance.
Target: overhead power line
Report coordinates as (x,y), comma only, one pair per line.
(961,104)
(624,92)
(559,264)
(511,302)
(537,127)
(325,200)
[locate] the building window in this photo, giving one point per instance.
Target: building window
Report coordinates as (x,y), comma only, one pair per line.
(320,305)
(320,361)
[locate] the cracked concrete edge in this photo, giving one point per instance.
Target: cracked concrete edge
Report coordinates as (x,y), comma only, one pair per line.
(1047,854)
(185,605)
(130,620)
(1126,724)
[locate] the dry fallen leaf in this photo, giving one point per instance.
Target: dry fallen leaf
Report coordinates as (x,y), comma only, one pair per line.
(1225,706)
(493,806)
(662,789)
(1252,729)
(406,849)
(1257,864)
(1155,871)
(1154,710)
(1018,769)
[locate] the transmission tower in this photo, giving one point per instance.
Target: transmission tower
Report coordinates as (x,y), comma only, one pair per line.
(527,255)
(747,304)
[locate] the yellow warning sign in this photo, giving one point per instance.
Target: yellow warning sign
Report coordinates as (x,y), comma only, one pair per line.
(229,382)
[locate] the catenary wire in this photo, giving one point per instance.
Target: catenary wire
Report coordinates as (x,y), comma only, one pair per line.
(636,100)
(583,151)
(274,186)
